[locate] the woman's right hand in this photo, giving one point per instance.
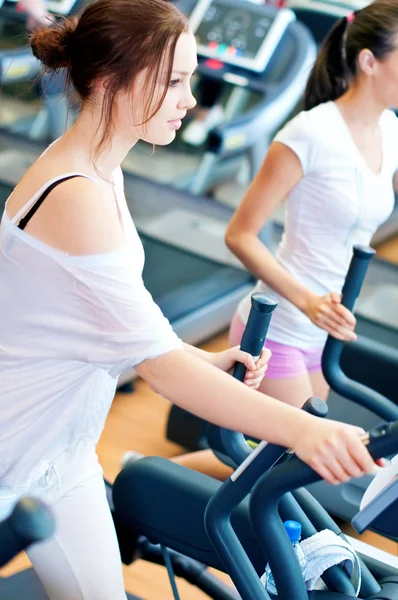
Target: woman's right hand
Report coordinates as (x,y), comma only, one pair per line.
(329,314)
(334,450)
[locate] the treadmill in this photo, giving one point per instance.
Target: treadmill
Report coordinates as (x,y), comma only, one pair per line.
(18,66)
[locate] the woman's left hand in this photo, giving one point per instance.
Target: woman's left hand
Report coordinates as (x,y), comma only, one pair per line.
(255,370)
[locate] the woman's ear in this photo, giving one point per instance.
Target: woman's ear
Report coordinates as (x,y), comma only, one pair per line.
(101,85)
(367,62)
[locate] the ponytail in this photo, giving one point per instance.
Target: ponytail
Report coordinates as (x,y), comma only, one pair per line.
(329,78)
(375,28)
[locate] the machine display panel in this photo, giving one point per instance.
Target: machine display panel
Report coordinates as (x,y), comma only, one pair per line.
(239,33)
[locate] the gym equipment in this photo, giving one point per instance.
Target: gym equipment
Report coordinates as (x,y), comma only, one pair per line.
(362,375)
(278,88)
(167,503)
(132,519)
(188,270)
(372,359)
(236,34)
(213,523)
(30,521)
(359,402)
(268,525)
(18,65)
(359,373)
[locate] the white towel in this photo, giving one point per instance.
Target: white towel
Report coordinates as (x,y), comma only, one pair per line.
(326,549)
(384,477)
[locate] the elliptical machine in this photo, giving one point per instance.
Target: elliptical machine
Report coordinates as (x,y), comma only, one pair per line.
(218,524)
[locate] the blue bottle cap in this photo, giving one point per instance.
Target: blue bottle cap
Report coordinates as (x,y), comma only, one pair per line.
(293,529)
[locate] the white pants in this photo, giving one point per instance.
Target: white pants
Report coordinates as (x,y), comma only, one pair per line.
(82,560)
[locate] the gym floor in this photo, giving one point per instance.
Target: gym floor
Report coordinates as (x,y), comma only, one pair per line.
(137,421)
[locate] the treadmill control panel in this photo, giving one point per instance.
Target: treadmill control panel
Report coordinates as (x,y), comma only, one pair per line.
(239,32)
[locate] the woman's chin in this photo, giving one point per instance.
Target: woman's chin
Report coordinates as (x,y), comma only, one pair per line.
(161,140)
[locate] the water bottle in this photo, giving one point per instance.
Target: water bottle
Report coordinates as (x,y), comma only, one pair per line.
(293,529)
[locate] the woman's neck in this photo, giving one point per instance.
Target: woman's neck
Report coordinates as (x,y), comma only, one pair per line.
(84,137)
(360,107)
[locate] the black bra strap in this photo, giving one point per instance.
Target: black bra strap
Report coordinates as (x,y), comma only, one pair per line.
(25,220)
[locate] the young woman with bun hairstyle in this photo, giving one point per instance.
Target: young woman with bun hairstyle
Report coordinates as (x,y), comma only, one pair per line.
(74,312)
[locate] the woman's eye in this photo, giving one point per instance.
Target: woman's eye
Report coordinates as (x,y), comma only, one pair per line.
(174,82)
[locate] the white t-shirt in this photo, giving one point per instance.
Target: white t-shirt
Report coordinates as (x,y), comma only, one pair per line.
(338,203)
(69,326)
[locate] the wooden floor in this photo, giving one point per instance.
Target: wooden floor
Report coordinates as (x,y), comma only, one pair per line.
(137,421)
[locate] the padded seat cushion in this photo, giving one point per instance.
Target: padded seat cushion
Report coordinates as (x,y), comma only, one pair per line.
(166,503)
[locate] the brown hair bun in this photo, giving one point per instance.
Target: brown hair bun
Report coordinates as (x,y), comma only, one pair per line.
(51,45)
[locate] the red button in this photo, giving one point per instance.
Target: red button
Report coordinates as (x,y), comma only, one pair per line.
(212,63)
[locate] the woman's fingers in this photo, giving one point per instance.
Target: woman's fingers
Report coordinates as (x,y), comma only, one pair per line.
(341,333)
(334,324)
(340,318)
(346,314)
(254,377)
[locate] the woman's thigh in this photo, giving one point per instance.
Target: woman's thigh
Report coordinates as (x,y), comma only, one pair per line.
(204,461)
(82,560)
(294,390)
(319,385)
(293,374)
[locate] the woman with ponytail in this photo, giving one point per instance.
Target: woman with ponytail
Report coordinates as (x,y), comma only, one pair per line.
(334,163)
(74,312)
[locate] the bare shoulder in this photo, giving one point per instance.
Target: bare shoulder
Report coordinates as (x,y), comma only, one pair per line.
(79,217)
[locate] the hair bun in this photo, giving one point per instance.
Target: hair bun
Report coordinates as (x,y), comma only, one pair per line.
(51,45)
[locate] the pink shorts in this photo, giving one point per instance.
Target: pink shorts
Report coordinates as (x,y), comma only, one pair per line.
(286,361)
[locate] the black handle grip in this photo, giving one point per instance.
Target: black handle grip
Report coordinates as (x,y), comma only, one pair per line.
(256,329)
(334,375)
(267,524)
(355,277)
(316,407)
(31,521)
(233,443)
(381,441)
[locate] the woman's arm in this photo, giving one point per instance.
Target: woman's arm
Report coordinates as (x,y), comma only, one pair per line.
(333,449)
(279,174)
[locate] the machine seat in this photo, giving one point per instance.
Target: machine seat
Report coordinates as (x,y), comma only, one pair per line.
(166,503)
